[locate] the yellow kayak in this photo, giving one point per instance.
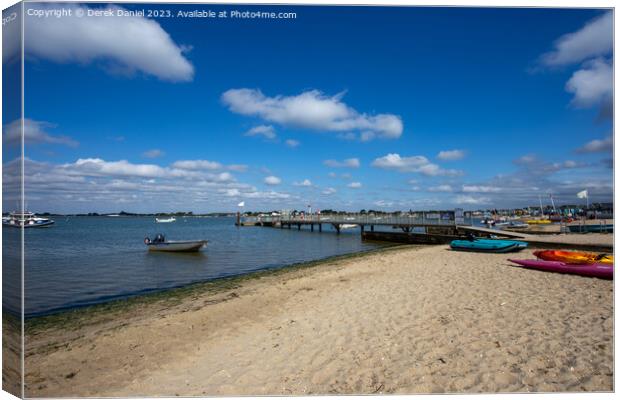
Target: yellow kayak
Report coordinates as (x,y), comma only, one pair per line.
(539,221)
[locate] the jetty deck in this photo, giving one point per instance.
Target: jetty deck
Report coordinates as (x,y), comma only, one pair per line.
(422,228)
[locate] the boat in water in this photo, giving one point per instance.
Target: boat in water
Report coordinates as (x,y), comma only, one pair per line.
(597,270)
(488,245)
(348,226)
(159,243)
(26,220)
(164,220)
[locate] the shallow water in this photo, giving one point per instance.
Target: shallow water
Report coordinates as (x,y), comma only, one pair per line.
(88,260)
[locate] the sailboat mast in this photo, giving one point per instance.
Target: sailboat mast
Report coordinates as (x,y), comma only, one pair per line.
(541,207)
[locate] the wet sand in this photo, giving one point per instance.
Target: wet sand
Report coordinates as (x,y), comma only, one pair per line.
(408,320)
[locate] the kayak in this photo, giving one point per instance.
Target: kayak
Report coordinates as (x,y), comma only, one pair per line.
(539,221)
(597,270)
(574,257)
(488,245)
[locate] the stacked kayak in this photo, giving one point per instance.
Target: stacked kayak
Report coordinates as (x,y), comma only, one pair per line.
(574,257)
(598,270)
(538,221)
(488,245)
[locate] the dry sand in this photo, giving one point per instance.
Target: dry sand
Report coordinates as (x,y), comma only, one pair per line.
(410,320)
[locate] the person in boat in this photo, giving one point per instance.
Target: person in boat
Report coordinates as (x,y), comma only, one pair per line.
(471,237)
(159,238)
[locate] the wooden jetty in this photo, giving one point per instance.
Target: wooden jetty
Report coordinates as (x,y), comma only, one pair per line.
(415,228)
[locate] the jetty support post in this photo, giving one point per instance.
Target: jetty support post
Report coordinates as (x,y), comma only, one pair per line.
(311,227)
(372,228)
(337,227)
(320,227)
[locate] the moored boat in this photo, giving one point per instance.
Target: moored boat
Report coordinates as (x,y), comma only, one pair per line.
(488,245)
(597,270)
(161,244)
(26,220)
(348,226)
(164,220)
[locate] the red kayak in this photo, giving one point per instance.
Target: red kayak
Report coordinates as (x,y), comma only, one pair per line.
(598,270)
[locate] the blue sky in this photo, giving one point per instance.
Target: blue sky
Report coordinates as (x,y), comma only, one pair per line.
(340,107)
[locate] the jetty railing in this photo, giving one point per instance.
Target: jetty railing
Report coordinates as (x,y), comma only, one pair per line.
(419,218)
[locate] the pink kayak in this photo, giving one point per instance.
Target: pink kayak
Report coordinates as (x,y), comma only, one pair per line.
(598,270)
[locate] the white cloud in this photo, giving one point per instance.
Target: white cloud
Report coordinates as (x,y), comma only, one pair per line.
(272,180)
(466,199)
(99,167)
(197,164)
(312,110)
(440,188)
(266,131)
(419,164)
(292,143)
(34,133)
(127,44)
(329,191)
(383,203)
(480,189)
(597,146)
(355,185)
(526,159)
(153,153)
(593,40)
(305,182)
(207,165)
(451,155)
(237,167)
(348,163)
(534,166)
(591,84)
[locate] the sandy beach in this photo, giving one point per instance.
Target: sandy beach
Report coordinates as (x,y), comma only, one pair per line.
(404,320)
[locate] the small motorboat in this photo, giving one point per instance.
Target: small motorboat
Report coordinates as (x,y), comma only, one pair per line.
(348,226)
(159,243)
(26,220)
(597,270)
(517,225)
(574,257)
(165,220)
(488,245)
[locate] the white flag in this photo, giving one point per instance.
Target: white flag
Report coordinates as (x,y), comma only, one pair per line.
(583,194)
(242,204)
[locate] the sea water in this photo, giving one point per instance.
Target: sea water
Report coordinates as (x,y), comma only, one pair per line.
(88,260)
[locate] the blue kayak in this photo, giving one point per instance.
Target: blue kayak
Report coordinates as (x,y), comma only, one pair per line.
(488,245)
